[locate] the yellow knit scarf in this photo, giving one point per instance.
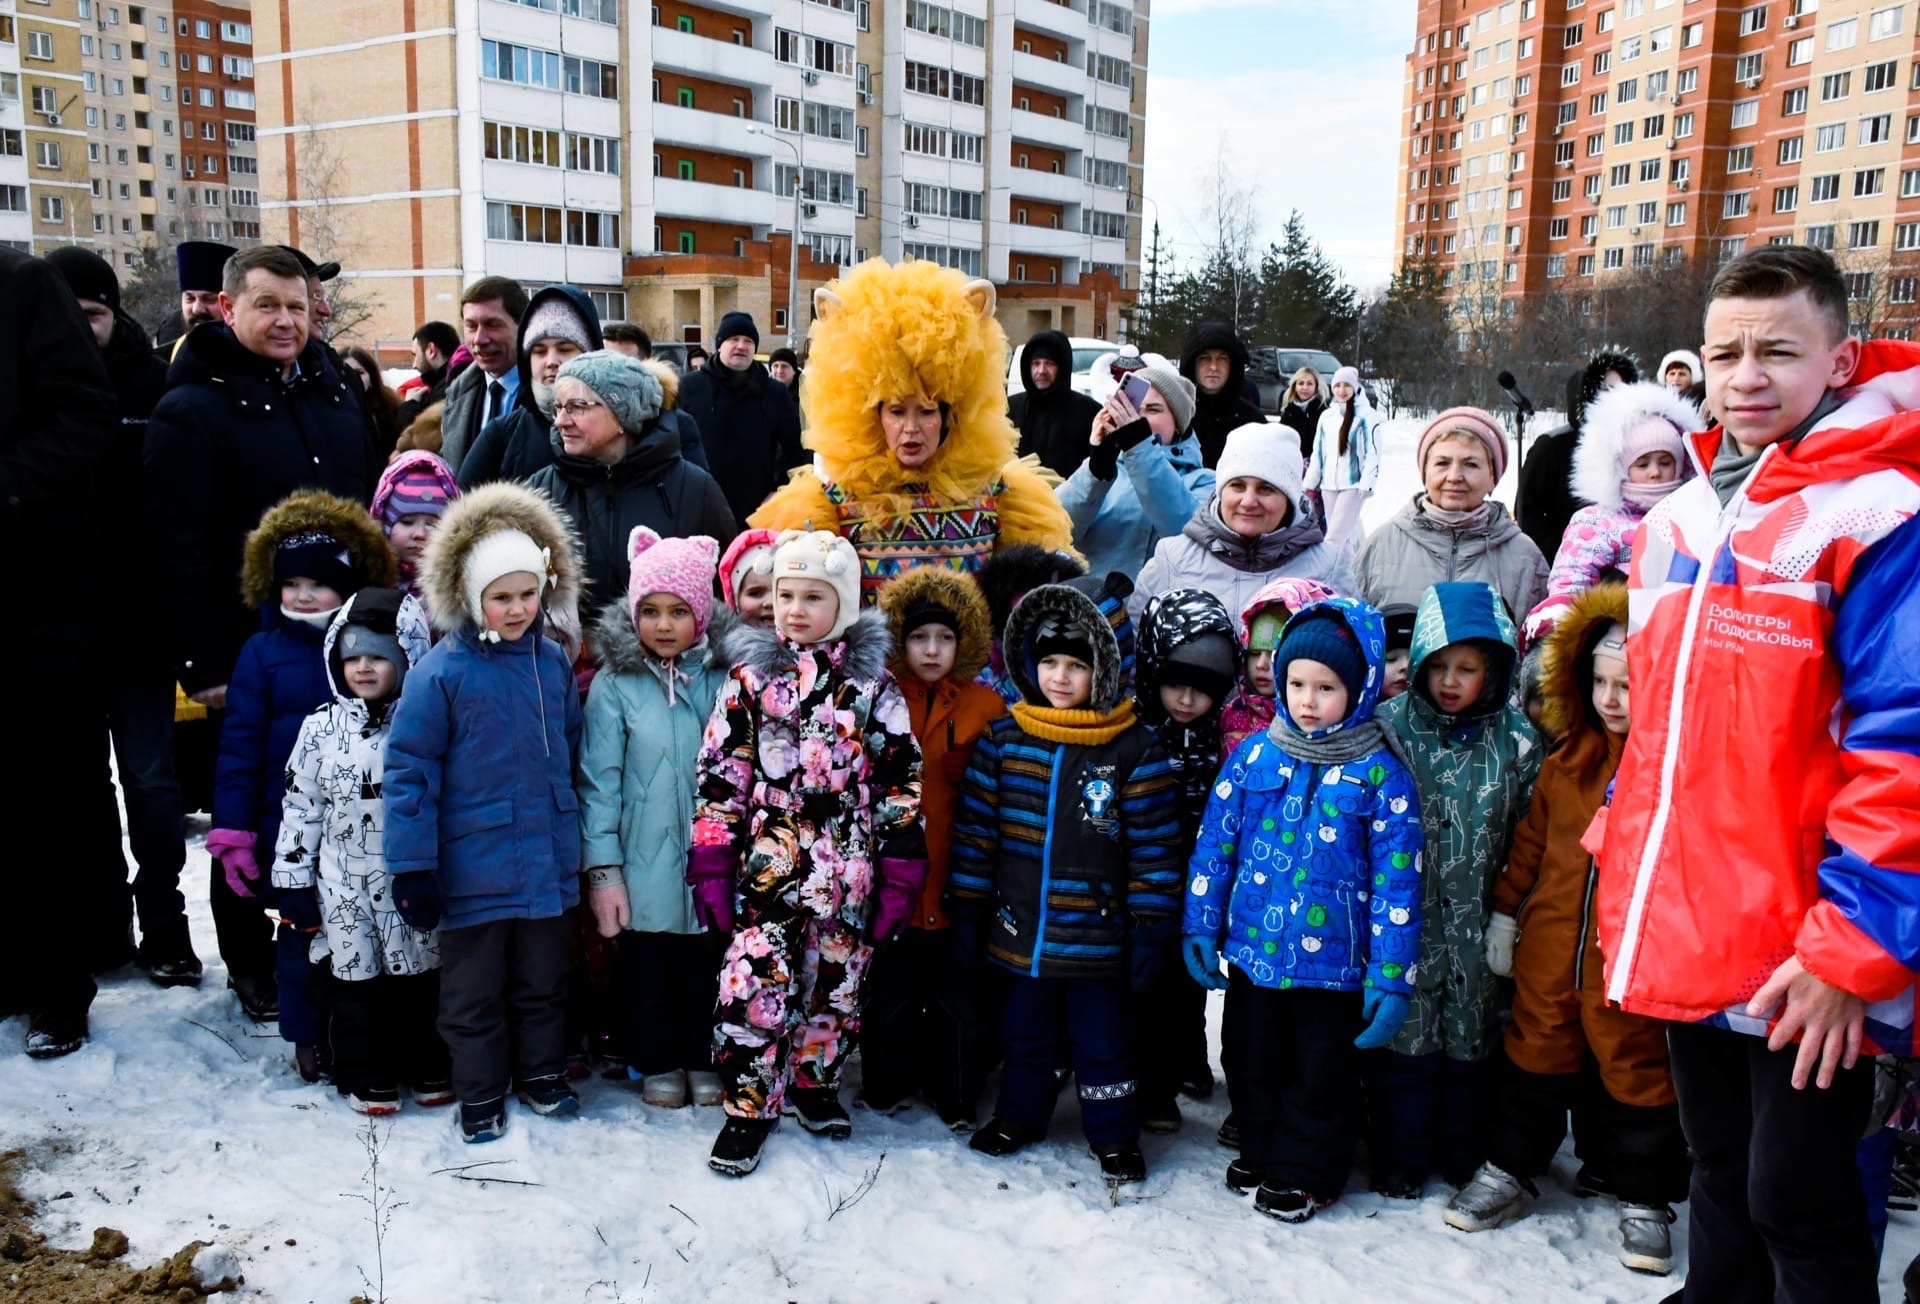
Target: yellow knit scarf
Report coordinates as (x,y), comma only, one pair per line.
(1075,727)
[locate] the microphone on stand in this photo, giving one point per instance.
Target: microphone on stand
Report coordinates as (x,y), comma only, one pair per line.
(1512,389)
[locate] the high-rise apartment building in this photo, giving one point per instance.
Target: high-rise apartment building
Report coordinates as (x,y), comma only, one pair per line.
(1550,143)
(113,115)
(650,155)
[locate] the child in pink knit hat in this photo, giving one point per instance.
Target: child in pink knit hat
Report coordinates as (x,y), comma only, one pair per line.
(412,495)
(644,718)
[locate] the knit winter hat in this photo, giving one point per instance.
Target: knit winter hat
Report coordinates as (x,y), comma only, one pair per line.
(1264,630)
(503,553)
(824,556)
(1057,636)
(1653,434)
(360,640)
(626,385)
(682,567)
(751,552)
(1324,637)
(737,323)
(1347,376)
(1175,388)
(785,355)
(1612,644)
(555,318)
(1400,618)
(1467,421)
(1264,452)
(317,556)
(88,275)
(1208,663)
(925,611)
(422,487)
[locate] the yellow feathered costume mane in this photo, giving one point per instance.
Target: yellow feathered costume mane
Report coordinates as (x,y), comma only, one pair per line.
(884,332)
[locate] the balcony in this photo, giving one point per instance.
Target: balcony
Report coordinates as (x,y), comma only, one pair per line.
(1053,187)
(1050,74)
(1045,129)
(719,60)
(715,131)
(713,203)
(1069,24)
(1043,240)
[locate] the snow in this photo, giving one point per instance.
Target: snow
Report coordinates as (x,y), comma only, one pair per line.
(173,1132)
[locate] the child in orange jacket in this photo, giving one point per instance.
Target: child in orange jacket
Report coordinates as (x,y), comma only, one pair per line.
(923,1028)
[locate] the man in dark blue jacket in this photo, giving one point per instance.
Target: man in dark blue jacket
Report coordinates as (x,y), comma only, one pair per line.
(748,423)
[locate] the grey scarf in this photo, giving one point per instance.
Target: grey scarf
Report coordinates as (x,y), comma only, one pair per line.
(1349,744)
(1732,467)
(1265,553)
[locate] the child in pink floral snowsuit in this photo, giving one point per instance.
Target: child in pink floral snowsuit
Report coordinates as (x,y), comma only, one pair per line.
(1249,708)
(807,843)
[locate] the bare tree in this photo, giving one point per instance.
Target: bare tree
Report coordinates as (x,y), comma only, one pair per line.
(326,230)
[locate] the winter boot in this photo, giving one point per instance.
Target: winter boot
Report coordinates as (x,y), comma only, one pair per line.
(1229,1133)
(667,1090)
(1399,1184)
(1159,1114)
(1646,1238)
(884,1108)
(1494,1196)
(1197,1082)
(1242,1177)
(705,1087)
(1289,1204)
(167,955)
(306,1062)
(484,1120)
(1120,1164)
(736,1151)
(259,997)
(820,1112)
(1000,1138)
(51,1035)
(373,1101)
(548,1096)
(432,1094)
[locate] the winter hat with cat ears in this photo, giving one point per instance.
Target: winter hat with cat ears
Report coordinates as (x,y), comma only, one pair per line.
(682,567)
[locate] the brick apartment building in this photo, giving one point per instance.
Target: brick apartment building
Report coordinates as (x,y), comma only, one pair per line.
(1549,144)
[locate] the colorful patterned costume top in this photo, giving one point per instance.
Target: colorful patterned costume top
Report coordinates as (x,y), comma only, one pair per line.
(957,534)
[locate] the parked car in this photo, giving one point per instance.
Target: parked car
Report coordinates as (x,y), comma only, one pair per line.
(1271,369)
(1085,350)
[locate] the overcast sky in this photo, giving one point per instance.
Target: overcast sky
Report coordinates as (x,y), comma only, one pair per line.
(1302,96)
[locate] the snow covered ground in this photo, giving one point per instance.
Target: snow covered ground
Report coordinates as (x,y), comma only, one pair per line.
(182,1121)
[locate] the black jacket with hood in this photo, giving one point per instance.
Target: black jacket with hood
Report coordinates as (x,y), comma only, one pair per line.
(1547,500)
(1303,418)
(1054,423)
(229,439)
(1215,416)
(516,444)
(750,427)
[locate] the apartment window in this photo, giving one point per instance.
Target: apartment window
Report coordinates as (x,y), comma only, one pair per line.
(1585,265)
(1616,216)
(1824,189)
(1649,169)
(1881,77)
(1597,103)
(1690,35)
(684,97)
(1613,259)
(46,154)
(517,63)
(1736,204)
(1790,149)
(1556,266)
(1573,35)
(1620,174)
(1753,19)
(1596,144)
(1745,113)
(1740,159)
(1682,124)
(1835,86)
(1906,236)
(1647,212)
(1570,74)
(1557,228)
(590,77)
(1677,213)
(1910,183)
(1869,182)
(1799,51)
(1687,81)
(1623,133)
(1604,23)
(1749,66)
(1903,289)
(1562,191)
(1883,24)
(1913,130)
(1794,102)
(1876,130)
(1603,63)
(1831,137)
(1842,34)
(1653,126)
(1859,286)
(1786,199)
(39,45)
(53,208)
(1660,40)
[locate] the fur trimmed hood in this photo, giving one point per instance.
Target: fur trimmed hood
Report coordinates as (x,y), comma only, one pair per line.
(1567,667)
(1082,614)
(1017,569)
(887,331)
(953,591)
(616,643)
(471,518)
(368,551)
(862,649)
(1593,379)
(1597,472)
(669,382)
(1686,358)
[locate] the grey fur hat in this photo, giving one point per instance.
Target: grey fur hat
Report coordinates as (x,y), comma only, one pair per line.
(630,391)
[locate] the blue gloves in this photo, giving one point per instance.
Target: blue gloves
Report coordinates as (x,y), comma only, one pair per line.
(417,899)
(300,909)
(1383,1013)
(1202,956)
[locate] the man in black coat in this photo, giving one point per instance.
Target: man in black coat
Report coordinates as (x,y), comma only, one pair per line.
(139,694)
(1055,422)
(254,410)
(1215,360)
(748,424)
(56,431)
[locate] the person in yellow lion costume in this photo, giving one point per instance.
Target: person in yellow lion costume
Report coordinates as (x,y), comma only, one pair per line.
(891,347)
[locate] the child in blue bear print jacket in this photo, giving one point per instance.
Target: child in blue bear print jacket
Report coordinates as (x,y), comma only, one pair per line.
(1306,877)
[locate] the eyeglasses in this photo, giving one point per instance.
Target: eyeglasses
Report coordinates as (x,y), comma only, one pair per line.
(578,407)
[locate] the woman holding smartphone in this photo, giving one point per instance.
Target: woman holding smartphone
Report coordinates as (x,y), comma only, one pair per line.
(1143,478)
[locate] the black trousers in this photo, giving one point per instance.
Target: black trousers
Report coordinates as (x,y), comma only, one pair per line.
(1638,1148)
(1170,1025)
(1775,1211)
(924,1025)
(381,1030)
(1426,1113)
(240,923)
(140,716)
(503,1003)
(668,983)
(1295,1083)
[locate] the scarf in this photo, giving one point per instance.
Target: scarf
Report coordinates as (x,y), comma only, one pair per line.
(1731,466)
(1075,726)
(1255,556)
(311,619)
(1350,744)
(1644,496)
(1476,518)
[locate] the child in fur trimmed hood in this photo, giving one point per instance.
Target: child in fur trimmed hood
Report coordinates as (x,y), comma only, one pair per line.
(482,825)
(807,846)
(309,554)
(646,712)
(1632,453)
(923,1026)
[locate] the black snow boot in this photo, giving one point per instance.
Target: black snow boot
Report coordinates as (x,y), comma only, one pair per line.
(736,1151)
(1398,1184)
(1120,1163)
(1000,1138)
(820,1112)
(1229,1134)
(51,1035)
(484,1120)
(166,953)
(1160,1114)
(1242,1177)
(1289,1204)
(548,1096)
(259,997)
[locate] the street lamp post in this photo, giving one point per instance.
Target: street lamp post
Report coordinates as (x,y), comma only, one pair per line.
(793,245)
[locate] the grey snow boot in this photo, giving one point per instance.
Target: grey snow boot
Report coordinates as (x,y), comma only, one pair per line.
(1646,1238)
(1494,1196)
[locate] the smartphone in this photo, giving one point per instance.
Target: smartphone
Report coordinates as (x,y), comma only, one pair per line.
(1135,387)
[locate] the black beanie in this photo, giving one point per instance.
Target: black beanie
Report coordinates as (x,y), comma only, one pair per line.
(923,612)
(88,275)
(1207,663)
(1324,637)
(318,557)
(737,323)
(785,355)
(1059,637)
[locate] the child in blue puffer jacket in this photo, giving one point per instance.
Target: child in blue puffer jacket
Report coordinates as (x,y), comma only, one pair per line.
(1306,877)
(309,554)
(482,825)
